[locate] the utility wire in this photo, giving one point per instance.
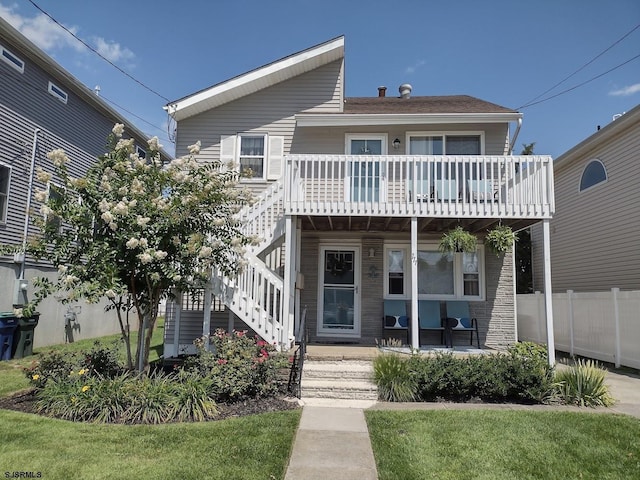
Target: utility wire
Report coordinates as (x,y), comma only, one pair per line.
(134,115)
(580,84)
(98,53)
(531,102)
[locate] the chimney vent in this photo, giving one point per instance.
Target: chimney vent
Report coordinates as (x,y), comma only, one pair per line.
(405,90)
(382,91)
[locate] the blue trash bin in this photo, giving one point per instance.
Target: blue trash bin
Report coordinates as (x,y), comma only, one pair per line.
(8,325)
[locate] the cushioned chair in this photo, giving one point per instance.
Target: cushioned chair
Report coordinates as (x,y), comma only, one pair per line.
(423,192)
(459,320)
(395,316)
(429,317)
(447,190)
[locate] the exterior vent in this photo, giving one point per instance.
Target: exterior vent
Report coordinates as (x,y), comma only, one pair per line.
(405,90)
(382,91)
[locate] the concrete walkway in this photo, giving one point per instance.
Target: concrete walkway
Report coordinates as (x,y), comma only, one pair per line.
(332,441)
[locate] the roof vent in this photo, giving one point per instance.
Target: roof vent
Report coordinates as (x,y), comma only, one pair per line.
(382,91)
(405,90)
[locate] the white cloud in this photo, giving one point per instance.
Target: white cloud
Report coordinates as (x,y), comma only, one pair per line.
(49,36)
(626,91)
(41,30)
(415,66)
(112,51)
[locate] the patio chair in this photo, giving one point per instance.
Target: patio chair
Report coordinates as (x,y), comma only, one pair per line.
(481,190)
(459,320)
(395,316)
(447,190)
(424,191)
(429,317)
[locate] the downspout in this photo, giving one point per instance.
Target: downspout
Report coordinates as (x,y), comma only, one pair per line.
(515,136)
(25,231)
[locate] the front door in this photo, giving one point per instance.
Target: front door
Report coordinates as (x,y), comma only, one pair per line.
(339,296)
(365,182)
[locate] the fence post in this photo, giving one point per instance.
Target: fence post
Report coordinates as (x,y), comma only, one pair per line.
(570,300)
(616,316)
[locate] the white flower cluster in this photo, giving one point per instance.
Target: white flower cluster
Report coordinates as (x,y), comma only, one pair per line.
(58,157)
(195,148)
(126,145)
(118,130)
(142,221)
(42,176)
(41,195)
(154,145)
(205,252)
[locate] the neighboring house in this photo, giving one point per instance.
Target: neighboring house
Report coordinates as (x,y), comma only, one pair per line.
(350,191)
(43,107)
(599,180)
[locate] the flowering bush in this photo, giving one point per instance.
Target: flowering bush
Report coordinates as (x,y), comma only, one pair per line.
(140,226)
(239,366)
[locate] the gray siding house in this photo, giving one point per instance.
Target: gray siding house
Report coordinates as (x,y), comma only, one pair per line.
(354,195)
(598,180)
(43,107)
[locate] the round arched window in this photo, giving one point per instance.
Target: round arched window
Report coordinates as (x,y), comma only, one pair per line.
(593,174)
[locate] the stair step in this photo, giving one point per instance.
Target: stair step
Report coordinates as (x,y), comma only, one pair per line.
(338,370)
(350,389)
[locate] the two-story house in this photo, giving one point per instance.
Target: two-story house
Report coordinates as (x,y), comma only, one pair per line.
(43,107)
(354,195)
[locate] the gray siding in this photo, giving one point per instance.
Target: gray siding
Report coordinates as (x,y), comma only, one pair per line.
(595,233)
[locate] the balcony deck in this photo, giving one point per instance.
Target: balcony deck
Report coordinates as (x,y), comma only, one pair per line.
(512,188)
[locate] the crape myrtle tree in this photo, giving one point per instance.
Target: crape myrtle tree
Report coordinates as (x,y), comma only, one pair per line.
(133,229)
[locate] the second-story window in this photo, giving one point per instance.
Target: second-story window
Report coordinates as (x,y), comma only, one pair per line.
(11,59)
(5,175)
(57,92)
(252,156)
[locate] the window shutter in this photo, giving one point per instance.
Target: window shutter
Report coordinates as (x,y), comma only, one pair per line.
(227,150)
(276,157)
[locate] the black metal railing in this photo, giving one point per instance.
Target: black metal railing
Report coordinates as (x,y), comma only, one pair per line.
(294,386)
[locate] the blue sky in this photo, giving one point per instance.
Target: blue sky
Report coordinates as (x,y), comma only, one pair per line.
(501,51)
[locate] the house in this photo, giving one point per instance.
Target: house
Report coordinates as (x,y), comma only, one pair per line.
(597,179)
(43,107)
(595,279)
(350,190)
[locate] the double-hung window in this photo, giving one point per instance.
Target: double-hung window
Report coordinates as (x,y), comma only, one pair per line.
(252,155)
(5,175)
(440,275)
(463,143)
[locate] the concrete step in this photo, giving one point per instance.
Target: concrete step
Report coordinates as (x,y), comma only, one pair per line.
(338,379)
(345,389)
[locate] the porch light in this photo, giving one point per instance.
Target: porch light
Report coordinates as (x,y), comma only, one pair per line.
(372,252)
(396,144)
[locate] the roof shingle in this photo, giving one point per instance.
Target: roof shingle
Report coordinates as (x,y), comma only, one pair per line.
(433,104)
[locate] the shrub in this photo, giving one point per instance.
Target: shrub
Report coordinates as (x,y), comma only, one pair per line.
(583,384)
(103,360)
(51,366)
(393,376)
(158,398)
(238,366)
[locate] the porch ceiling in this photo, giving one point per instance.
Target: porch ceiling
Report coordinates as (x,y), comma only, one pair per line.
(426,225)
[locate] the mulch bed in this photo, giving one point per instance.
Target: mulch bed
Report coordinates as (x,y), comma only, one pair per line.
(24,401)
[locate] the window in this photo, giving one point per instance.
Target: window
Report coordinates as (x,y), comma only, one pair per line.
(58,92)
(141,152)
(252,156)
(447,144)
(11,59)
(593,174)
(5,175)
(440,275)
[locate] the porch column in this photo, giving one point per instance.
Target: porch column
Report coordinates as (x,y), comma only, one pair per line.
(206,322)
(288,287)
(296,309)
(548,302)
(177,312)
(415,332)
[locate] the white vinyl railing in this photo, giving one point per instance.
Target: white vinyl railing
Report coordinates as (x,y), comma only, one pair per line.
(408,185)
(255,296)
(600,325)
(265,218)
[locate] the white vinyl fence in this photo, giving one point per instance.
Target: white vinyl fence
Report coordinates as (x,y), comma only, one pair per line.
(600,325)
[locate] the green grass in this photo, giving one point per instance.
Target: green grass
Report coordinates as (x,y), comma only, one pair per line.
(495,445)
(252,447)
(13,379)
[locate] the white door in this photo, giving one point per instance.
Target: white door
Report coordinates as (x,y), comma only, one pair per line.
(365,180)
(339,295)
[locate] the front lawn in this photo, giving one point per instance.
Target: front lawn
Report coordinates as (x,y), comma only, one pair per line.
(252,447)
(494,445)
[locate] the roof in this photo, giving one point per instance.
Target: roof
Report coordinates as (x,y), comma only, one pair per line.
(44,61)
(438,104)
(628,120)
(257,79)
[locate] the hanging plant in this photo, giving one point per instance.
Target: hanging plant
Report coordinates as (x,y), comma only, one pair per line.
(458,240)
(500,240)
